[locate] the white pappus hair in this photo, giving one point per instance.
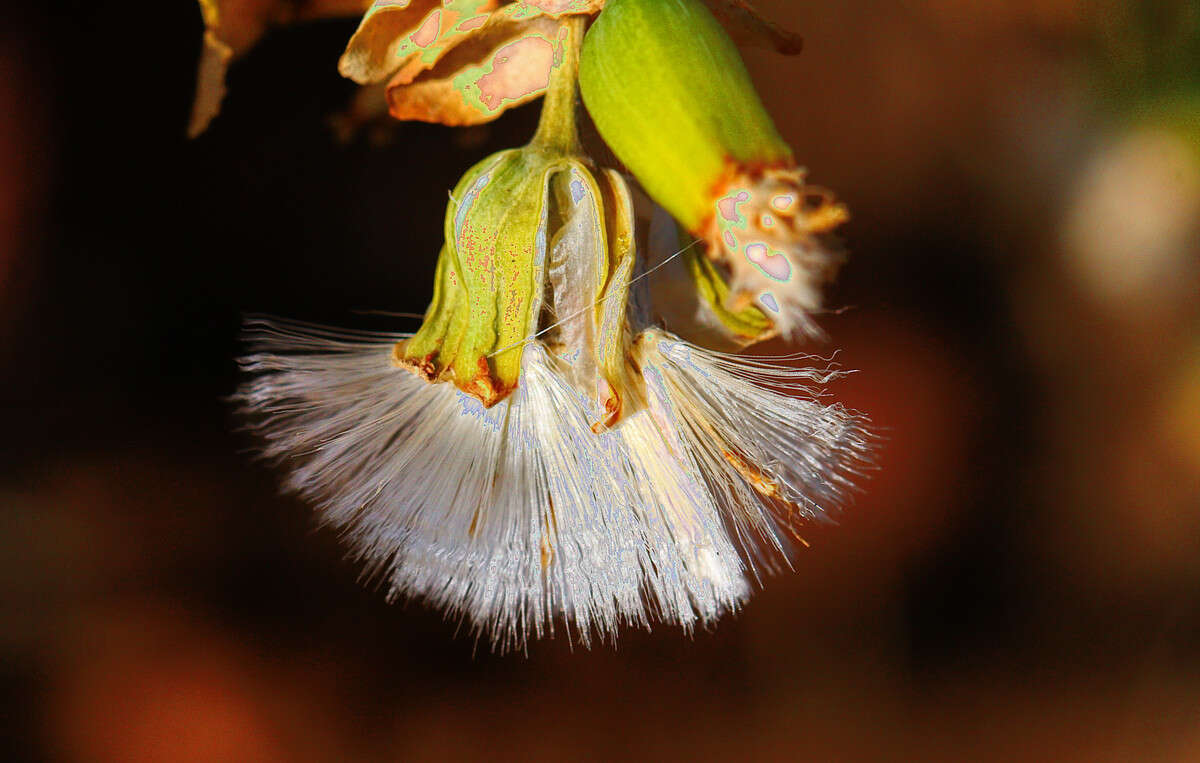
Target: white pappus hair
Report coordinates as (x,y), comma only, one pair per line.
(519,515)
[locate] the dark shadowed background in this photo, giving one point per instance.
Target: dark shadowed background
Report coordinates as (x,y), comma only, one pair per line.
(1021,581)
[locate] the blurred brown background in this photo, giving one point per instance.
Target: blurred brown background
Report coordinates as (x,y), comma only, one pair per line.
(1020,582)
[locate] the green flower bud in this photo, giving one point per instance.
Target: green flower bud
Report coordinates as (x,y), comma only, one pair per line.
(670,95)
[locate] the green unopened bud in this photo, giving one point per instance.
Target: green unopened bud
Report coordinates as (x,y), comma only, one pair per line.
(670,95)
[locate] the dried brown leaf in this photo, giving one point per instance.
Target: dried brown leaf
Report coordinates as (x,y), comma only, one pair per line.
(395,33)
(505,64)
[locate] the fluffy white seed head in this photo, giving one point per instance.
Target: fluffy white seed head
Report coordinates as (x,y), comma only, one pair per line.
(520,515)
(625,480)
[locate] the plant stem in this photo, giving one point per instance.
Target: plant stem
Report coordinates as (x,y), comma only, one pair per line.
(556,128)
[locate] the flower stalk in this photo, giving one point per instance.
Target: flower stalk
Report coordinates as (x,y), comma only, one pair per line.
(557,130)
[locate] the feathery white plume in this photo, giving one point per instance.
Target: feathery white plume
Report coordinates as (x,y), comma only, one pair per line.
(519,514)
